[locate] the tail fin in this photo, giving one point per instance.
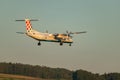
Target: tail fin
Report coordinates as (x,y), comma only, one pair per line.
(28,23)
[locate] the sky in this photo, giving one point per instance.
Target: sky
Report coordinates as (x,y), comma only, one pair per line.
(97,51)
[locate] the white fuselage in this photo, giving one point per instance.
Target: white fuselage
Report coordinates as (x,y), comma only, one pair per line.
(48,37)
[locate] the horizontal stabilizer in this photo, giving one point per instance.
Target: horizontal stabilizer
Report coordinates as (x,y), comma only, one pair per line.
(21,32)
(27,19)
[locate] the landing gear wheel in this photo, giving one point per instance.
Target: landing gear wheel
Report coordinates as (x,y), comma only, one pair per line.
(39,43)
(61,43)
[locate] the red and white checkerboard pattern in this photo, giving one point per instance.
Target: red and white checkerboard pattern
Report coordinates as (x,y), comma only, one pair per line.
(28,25)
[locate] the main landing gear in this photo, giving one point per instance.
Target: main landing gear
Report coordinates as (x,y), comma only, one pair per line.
(61,43)
(39,43)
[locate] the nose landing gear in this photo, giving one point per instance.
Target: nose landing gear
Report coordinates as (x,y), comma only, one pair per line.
(39,43)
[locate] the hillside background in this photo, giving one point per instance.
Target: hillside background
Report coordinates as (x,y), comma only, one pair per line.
(48,73)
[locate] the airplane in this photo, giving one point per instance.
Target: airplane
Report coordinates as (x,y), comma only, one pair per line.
(47,37)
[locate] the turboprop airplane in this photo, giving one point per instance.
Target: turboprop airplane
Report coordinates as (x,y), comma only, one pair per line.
(47,37)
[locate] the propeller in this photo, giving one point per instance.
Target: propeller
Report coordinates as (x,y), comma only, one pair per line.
(69,33)
(56,34)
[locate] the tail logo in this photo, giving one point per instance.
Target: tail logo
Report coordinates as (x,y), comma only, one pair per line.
(28,25)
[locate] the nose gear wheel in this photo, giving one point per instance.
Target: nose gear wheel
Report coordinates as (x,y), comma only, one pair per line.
(39,43)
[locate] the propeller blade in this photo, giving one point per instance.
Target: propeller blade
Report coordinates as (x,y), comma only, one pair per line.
(46,31)
(67,31)
(56,34)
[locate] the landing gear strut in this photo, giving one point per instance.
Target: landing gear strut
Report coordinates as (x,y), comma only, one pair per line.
(70,44)
(39,43)
(61,43)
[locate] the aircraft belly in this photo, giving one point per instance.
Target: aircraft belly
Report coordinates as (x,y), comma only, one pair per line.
(43,38)
(48,38)
(68,41)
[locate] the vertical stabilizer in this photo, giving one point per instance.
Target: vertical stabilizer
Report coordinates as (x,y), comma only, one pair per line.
(28,24)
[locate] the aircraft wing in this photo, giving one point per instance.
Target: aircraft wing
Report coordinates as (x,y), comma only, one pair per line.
(77,32)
